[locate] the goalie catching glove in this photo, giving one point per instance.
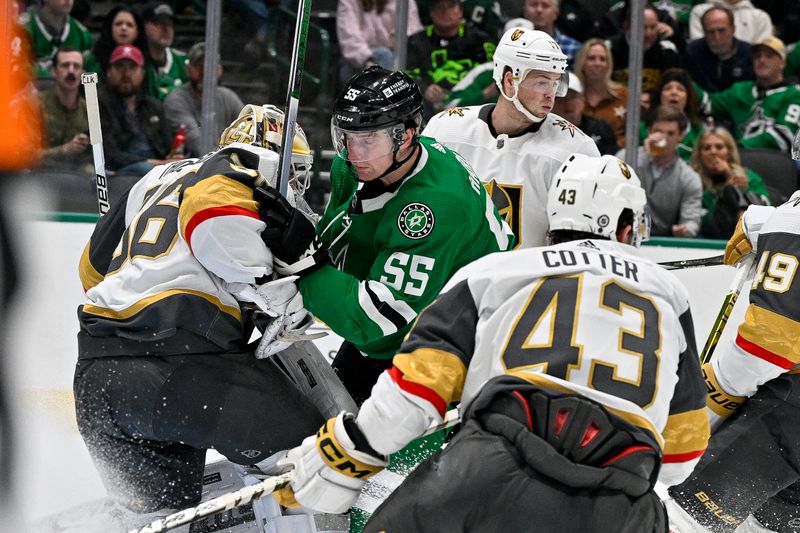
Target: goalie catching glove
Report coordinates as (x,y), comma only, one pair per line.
(290,234)
(331,467)
(280,300)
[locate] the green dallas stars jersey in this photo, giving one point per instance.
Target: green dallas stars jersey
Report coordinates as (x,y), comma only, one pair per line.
(763,119)
(160,81)
(396,246)
(45,44)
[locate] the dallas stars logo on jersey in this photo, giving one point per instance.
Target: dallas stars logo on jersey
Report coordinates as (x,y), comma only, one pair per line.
(415,220)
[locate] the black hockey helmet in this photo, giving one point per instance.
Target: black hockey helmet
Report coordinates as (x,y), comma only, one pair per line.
(376,98)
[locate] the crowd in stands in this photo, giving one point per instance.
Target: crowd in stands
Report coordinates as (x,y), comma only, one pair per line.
(719,78)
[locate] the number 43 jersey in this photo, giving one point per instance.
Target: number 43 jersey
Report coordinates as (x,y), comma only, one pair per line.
(586,317)
(156,267)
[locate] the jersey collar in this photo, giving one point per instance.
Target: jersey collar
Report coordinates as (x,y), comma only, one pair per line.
(485,114)
(46,33)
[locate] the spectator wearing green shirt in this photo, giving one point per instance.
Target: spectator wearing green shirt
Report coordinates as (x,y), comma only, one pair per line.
(51,27)
(765,113)
(167,66)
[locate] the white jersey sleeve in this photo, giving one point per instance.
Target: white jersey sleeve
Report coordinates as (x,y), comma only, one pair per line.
(766,344)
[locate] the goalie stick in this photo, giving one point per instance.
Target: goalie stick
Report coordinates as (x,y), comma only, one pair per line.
(743,272)
(249,493)
(89,81)
(293,93)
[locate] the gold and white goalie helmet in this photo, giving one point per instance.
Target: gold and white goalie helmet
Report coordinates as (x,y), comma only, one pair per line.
(590,195)
(263,126)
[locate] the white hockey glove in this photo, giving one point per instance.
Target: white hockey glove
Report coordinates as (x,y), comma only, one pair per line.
(331,467)
(274,297)
(281,299)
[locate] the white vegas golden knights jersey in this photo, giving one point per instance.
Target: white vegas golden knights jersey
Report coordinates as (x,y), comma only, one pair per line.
(765,345)
(156,267)
(516,171)
(587,317)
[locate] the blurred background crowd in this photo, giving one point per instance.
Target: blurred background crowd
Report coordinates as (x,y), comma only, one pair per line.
(720,93)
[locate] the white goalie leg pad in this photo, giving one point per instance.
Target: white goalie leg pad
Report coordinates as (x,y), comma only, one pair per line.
(222,477)
(302,520)
(752,525)
(391,418)
(680,521)
(316,379)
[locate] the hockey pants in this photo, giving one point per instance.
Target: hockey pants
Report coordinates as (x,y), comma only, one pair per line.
(752,465)
(147,421)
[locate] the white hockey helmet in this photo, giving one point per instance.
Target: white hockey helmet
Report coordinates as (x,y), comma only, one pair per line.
(589,195)
(263,126)
(523,50)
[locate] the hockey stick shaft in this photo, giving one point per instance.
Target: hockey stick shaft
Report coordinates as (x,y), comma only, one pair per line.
(714,260)
(293,92)
(89,81)
(249,493)
(743,272)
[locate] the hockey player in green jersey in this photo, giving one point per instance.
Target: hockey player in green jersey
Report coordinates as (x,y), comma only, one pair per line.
(51,27)
(765,112)
(404,214)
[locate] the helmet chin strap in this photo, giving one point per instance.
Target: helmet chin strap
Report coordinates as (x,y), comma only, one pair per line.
(514,99)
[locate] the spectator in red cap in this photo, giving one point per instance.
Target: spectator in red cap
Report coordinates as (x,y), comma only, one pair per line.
(135,133)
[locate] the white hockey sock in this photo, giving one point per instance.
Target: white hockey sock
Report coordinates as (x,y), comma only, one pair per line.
(752,525)
(680,521)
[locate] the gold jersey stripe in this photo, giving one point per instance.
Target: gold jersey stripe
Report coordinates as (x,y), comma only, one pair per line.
(87,273)
(440,371)
(772,332)
(545,381)
(150,300)
(686,432)
(717,399)
(215,191)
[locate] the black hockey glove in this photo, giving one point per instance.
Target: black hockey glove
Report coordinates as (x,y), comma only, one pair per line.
(290,234)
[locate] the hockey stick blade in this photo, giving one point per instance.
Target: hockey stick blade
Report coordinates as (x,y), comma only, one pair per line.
(743,272)
(714,260)
(249,493)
